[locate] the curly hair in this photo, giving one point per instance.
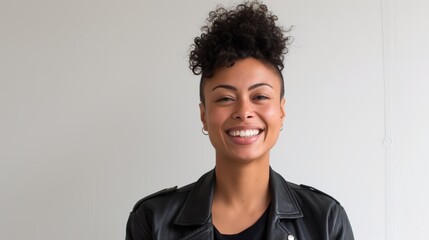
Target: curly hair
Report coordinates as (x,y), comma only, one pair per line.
(249,30)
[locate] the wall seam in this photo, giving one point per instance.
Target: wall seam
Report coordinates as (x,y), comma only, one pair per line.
(387,25)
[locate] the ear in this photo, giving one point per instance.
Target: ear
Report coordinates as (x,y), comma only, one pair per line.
(282,108)
(203,116)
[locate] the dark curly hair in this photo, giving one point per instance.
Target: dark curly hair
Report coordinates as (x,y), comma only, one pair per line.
(249,30)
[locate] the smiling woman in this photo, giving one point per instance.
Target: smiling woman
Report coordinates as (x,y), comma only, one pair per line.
(240,57)
(243,111)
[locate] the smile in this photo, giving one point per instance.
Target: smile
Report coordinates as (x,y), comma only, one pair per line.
(244,133)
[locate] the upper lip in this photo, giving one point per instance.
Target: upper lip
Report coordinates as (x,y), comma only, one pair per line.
(239,128)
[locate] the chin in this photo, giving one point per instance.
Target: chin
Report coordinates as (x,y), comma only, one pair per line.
(249,157)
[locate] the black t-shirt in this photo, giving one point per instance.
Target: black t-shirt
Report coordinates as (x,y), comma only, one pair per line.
(254,232)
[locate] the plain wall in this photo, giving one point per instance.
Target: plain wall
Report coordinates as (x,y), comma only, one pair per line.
(98,108)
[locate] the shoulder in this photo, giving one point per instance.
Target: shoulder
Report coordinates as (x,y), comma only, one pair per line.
(311,192)
(170,199)
(324,209)
(163,198)
(159,207)
(317,203)
(319,210)
(303,193)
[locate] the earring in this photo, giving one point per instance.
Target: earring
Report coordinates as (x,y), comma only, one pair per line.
(205,132)
(281,129)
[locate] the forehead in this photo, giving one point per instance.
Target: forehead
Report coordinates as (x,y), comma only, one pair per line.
(246,72)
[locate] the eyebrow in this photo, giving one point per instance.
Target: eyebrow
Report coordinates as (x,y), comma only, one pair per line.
(235,89)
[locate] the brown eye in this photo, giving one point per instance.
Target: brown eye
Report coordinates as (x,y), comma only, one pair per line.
(261,97)
(225,99)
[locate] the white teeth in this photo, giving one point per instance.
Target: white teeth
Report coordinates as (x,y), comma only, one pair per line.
(244,133)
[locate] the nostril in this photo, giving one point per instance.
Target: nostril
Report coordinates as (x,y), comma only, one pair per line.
(236,116)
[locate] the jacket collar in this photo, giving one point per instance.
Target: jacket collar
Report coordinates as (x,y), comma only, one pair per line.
(197,207)
(284,202)
(196,210)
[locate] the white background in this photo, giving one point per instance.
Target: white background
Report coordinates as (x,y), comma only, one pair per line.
(98,109)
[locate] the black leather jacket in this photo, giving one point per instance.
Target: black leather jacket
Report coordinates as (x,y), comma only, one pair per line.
(297,212)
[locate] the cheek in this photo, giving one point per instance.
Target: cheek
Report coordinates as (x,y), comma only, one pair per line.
(272,114)
(216,118)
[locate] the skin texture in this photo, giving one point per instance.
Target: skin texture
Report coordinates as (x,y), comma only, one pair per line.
(245,96)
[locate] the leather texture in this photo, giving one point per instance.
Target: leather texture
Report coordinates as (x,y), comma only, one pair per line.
(298,212)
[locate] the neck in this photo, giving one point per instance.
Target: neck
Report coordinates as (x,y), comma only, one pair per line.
(242,185)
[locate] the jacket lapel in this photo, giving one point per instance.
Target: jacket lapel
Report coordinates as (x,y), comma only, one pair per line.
(284,202)
(283,206)
(276,230)
(196,211)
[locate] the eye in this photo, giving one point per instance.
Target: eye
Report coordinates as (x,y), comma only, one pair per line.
(260,97)
(225,99)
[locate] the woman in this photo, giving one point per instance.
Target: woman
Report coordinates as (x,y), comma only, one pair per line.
(240,58)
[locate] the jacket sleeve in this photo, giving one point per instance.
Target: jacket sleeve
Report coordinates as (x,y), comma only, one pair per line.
(136,230)
(342,229)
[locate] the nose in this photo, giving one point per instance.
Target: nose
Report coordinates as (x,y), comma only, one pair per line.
(243,111)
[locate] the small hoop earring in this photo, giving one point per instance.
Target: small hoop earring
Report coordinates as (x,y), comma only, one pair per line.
(281,129)
(205,132)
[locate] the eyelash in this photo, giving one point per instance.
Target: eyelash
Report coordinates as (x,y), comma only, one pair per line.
(261,97)
(229,99)
(225,99)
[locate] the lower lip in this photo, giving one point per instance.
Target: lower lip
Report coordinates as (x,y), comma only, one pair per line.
(244,140)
